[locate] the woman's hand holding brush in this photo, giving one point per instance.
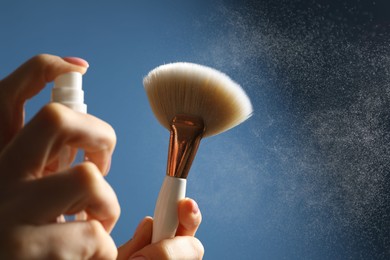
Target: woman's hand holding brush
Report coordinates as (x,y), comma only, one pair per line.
(183,246)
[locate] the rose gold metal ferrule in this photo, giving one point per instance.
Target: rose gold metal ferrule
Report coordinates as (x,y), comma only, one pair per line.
(186,133)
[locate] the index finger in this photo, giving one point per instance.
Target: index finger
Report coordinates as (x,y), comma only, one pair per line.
(25,82)
(32,76)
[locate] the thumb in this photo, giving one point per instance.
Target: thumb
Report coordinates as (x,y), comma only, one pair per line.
(142,237)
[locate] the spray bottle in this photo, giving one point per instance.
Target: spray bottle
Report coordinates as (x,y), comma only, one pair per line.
(68,91)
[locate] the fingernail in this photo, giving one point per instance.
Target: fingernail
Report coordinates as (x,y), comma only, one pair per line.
(138,258)
(76,61)
(195,207)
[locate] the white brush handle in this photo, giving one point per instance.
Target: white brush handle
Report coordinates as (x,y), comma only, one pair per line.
(166,212)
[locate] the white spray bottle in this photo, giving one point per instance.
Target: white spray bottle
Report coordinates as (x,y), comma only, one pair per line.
(68,91)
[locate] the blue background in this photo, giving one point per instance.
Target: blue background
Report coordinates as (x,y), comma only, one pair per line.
(306,177)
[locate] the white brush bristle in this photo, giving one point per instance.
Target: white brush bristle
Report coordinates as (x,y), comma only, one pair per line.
(187,88)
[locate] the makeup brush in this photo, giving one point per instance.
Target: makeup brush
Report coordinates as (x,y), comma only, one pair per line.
(192,101)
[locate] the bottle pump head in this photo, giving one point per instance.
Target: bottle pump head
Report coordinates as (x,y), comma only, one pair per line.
(68,91)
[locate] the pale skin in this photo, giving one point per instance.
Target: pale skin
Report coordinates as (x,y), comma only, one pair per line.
(32,197)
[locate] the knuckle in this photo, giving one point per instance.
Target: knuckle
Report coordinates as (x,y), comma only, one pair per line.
(42,62)
(165,250)
(116,209)
(108,135)
(88,176)
(52,116)
(96,232)
(46,65)
(15,245)
(41,59)
(91,181)
(112,135)
(198,247)
(174,249)
(95,229)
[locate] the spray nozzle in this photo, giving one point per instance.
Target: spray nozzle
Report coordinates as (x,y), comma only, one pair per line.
(68,91)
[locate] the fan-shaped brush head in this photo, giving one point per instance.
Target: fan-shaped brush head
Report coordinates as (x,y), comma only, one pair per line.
(192,89)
